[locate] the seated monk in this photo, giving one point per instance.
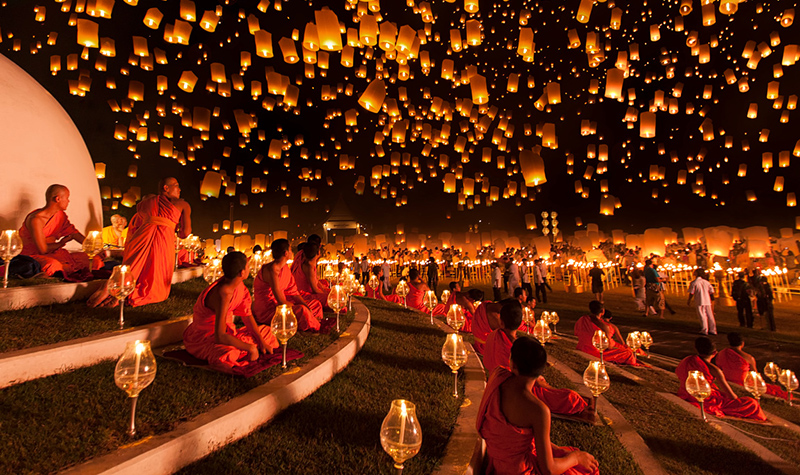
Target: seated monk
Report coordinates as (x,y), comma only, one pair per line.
(378,293)
(617,351)
(498,351)
(735,364)
(47,230)
(485,320)
(304,271)
(723,401)
(116,234)
(516,425)
(417,288)
(442,307)
(274,285)
(212,335)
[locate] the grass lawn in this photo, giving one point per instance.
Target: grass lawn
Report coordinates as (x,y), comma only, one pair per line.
(51,423)
(29,327)
(336,429)
(689,446)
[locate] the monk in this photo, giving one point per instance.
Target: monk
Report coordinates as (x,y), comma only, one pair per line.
(116,234)
(735,363)
(47,230)
(150,248)
(212,335)
(516,425)
(459,297)
(723,401)
(417,288)
(485,320)
(274,285)
(498,350)
(378,293)
(304,271)
(617,351)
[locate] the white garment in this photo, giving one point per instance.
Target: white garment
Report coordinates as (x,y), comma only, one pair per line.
(497,278)
(523,272)
(702,291)
(539,273)
(387,279)
(513,278)
(707,322)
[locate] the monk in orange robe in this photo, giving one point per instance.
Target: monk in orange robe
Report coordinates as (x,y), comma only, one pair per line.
(617,351)
(417,289)
(723,401)
(485,320)
(516,425)
(378,293)
(304,271)
(212,335)
(735,363)
(47,230)
(150,248)
(274,285)
(498,352)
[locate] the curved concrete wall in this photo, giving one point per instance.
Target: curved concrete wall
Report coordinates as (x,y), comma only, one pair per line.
(39,146)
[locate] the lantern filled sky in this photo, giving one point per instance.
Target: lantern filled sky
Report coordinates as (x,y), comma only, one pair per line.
(439,115)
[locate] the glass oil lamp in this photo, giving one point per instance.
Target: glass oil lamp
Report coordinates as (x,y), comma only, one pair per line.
(754,384)
(284,326)
(135,370)
(10,247)
(646,340)
(541,331)
(789,381)
(600,341)
(120,285)
(595,377)
(401,434)
(402,290)
(772,371)
(430,301)
(337,300)
(454,355)
(698,387)
(455,317)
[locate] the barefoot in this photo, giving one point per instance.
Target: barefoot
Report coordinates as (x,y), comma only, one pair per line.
(99,297)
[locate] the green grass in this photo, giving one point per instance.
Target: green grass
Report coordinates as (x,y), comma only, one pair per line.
(689,446)
(26,328)
(336,429)
(783,442)
(51,423)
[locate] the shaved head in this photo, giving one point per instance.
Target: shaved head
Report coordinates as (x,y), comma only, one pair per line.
(54,191)
(165,182)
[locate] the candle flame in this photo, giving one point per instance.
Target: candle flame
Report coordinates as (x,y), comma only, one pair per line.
(139,347)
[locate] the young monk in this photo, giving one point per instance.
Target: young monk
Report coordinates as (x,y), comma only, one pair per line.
(378,293)
(735,363)
(498,351)
(516,425)
(212,336)
(274,285)
(723,401)
(617,351)
(416,291)
(47,230)
(304,271)
(464,299)
(485,320)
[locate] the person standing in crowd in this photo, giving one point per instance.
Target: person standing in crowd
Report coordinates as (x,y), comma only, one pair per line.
(764,297)
(596,273)
(703,292)
(526,278)
(433,274)
(387,276)
(638,283)
(364,270)
(741,292)
(513,277)
(540,280)
(497,282)
(654,297)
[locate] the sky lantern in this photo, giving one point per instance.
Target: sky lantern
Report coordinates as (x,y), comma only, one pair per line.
(368,30)
(288,50)
(330,37)
(263,41)
(526,45)
(532,167)
(209,21)
(647,125)
(388,36)
(88,33)
(188,11)
(152,18)
(791,201)
(584,11)
(373,96)
(614,79)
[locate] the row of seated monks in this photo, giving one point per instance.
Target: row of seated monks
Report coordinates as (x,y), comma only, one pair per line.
(149,241)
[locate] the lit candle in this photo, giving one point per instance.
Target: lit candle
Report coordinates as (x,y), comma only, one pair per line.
(283,316)
(403,415)
(139,350)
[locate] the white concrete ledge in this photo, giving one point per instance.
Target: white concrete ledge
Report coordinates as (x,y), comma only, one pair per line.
(193,440)
(46,294)
(459,450)
(32,363)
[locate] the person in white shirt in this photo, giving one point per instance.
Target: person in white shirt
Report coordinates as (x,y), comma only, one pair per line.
(703,293)
(387,276)
(497,281)
(540,279)
(513,277)
(526,278)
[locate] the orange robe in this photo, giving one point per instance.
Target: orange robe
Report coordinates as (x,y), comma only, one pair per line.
(734,367)
(377,294)
(480,328)
(560,401)
(717,404)
(303,285)
(615,353)
(510,449)
(110,237)
(57,227)
(150,249)
(265,303)
(199,335)
(414,298)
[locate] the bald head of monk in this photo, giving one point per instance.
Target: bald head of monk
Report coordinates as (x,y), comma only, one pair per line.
(528,356)
(57,195)
(169,187)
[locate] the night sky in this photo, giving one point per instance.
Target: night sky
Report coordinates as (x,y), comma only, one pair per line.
(695,94)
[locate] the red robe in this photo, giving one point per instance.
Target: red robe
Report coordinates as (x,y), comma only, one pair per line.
(442,308)
(378,295)
(199,335)
(57,227)
(150,249)
(615,353)
(303,285)
(560,401)
(265,303)
(735,368)
(480,328)
(510,449)
(414,299)
(717,404)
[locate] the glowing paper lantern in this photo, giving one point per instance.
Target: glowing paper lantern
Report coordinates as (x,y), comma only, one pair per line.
(372,98)
(532,166)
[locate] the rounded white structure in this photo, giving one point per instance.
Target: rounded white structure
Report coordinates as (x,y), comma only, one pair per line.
(41,146)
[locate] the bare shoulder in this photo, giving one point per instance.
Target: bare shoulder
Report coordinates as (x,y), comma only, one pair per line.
(182,204)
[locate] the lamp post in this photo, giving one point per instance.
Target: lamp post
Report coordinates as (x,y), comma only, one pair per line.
(550,227)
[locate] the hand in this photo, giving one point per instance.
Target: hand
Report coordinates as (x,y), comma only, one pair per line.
(264,348)
(254,354)
(587,461)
